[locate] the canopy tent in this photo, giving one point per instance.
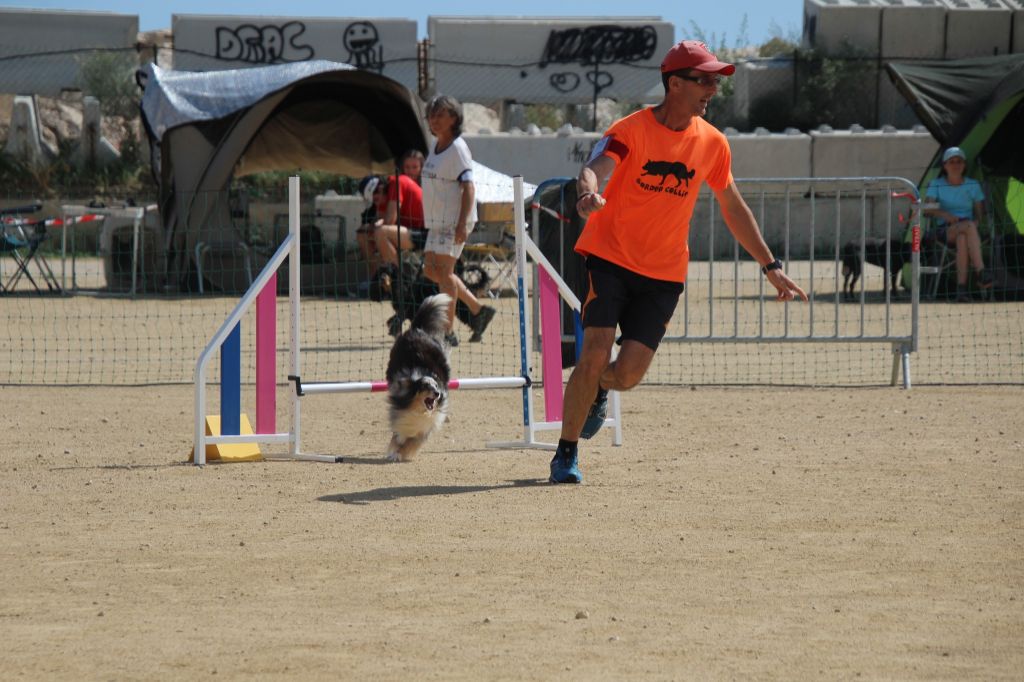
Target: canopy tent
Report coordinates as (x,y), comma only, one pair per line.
(978,105)
(207,127)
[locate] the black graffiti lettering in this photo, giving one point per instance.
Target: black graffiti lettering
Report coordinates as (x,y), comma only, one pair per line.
(362,40)
(603,44)
(267,44)
(565,81)
(600,80)
(580,154)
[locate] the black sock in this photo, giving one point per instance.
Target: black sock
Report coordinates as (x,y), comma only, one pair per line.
(601,393)
(567,445)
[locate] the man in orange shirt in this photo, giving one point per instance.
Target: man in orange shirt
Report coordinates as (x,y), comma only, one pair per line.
(635,240)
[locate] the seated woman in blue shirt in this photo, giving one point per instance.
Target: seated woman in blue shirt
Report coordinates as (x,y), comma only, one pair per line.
(960,209)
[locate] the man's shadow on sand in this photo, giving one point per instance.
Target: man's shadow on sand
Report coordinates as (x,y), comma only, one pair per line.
(402,492)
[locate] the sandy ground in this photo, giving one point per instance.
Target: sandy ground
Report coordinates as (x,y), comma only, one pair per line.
(792,534)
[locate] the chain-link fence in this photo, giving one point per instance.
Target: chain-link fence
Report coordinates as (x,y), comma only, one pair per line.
(117,262)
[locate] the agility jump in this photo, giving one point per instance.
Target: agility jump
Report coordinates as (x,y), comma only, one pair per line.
(231,437)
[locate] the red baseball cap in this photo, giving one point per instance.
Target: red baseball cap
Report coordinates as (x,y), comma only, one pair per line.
(693,54)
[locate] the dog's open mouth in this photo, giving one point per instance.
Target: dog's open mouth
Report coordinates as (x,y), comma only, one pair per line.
(430,401)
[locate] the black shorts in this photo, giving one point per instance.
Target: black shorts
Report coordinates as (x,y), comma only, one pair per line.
(419,238)
(640,306)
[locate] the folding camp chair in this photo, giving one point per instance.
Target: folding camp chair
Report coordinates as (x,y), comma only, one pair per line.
(22,238)
(942,257)
(492,245)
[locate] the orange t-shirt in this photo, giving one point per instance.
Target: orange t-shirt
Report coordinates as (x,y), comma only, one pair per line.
(658,173)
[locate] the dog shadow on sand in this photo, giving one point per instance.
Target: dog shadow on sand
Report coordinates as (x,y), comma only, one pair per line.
(402,492)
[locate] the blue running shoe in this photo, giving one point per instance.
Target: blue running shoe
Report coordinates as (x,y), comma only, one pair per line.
(596,416)
(564,468)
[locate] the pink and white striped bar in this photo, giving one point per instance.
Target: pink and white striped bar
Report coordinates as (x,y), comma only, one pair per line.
(381,386)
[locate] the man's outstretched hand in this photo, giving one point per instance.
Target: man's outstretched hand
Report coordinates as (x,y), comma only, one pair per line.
(787,288)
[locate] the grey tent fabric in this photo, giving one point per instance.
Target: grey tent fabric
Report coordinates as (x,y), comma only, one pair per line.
(175,98)
(950,96)
(207,127)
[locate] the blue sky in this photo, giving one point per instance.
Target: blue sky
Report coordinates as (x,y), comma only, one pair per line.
(716,18)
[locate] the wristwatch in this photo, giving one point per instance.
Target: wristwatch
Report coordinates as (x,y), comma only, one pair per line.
(774,265)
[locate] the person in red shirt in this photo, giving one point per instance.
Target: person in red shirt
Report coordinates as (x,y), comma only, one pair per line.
(379,241)
(411,164)
(635,239)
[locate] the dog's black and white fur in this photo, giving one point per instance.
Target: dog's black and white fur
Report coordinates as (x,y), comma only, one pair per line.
(417,376)
(874,253)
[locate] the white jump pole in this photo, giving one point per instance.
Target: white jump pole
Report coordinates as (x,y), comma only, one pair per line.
(303,389)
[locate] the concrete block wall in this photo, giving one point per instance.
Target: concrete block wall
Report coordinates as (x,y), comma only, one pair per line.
(759,155)
(833,25)
(977,28)
(901,153)
(536,157)
(25,32)
(1016,8)
(912,29)
(871,153)
(758,81)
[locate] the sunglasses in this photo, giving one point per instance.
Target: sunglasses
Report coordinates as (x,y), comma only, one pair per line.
(706,81)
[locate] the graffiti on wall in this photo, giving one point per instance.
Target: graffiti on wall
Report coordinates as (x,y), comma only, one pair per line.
(593,46)
(272,44)
(579,153)
(266,44)
(362,41)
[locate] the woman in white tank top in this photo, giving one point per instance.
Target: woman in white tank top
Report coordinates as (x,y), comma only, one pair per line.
(449,211)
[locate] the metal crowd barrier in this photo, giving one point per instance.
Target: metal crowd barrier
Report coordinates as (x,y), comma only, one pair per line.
(812,225)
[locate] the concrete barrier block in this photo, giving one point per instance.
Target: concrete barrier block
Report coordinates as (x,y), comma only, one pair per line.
(977,28)
(93,149)
(871,153)
(835,27)
(24,137)
(535,157)
(556,60)
(761,83)
(912,29)
(771,155)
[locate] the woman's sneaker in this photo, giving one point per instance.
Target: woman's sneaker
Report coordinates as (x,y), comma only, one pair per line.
(598,413)
(986,279)
(478,323)
(564,467)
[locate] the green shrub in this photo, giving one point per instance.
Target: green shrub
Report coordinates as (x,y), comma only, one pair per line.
(109,76)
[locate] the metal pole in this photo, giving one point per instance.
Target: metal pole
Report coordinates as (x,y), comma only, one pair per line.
(294,282)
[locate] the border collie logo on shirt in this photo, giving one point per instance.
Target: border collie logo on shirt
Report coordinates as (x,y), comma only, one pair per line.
(676,169)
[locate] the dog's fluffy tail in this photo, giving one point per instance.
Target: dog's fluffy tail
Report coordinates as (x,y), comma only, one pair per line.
(432,316)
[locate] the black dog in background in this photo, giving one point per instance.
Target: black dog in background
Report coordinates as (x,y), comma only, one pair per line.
(415,288)
(874,253)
